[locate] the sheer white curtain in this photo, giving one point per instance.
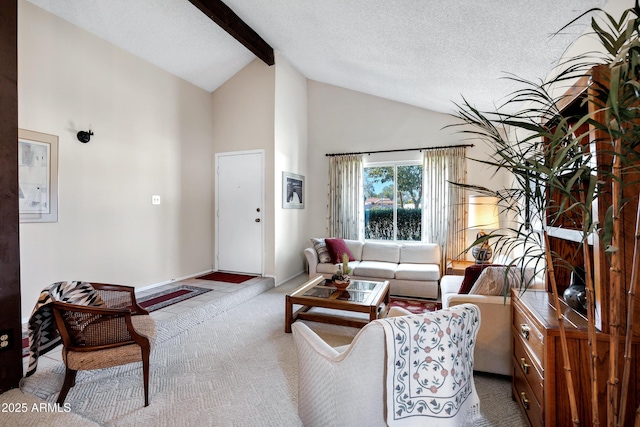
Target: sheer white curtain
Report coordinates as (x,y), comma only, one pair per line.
(345,210)
(445,212)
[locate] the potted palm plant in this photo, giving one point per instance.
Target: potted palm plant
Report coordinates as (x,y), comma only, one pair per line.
(561,181)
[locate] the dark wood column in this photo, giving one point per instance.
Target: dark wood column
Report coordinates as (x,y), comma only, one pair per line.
(10,317)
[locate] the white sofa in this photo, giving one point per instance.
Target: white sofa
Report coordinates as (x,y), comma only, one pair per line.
(493,346)
(412,269)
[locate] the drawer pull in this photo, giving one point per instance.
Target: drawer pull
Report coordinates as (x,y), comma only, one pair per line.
(524,330)
(524,365)
(524,400)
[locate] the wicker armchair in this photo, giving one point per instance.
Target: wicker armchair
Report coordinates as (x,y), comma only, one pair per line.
(96,337)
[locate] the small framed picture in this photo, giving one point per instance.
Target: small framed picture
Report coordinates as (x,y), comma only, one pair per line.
(292,191)
(37,176)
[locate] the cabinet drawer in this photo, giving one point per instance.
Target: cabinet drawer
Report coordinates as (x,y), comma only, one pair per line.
(527,369)
(531,336)
(526,399)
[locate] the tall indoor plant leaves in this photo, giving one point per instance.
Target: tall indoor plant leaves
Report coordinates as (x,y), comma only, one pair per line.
(546,152)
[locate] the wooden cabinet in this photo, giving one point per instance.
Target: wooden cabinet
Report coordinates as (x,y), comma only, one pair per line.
(538,382)
(564,233)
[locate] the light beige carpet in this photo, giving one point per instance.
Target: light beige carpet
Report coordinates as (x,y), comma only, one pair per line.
(235,368)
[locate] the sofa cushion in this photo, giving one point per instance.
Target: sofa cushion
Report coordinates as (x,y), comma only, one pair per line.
(418,272)
(377,251)
(450,285)
(355,246)
(375,269)
(330,268)
(471,274)
(321,249)
(326,268)
(420,253)
(499,279)
(336,248)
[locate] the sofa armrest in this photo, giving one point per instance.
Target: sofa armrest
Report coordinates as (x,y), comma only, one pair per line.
(302,333)
(450,284)
(449,300)
(312,260)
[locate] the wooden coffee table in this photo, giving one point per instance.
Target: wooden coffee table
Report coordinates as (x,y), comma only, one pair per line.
(362,296)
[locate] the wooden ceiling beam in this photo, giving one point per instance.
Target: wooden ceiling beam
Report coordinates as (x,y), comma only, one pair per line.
(222,15)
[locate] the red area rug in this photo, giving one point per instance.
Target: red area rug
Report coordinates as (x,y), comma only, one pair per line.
(415,306)
(226,277)
(170,296)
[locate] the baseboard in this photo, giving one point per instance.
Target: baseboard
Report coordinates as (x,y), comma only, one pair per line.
(166,282)
(290,278)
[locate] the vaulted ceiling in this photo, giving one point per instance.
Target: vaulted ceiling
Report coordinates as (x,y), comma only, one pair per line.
(423,53)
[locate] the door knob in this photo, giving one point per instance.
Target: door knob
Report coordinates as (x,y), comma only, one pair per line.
(257,219)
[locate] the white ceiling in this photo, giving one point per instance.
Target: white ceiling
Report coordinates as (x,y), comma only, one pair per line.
(423,53)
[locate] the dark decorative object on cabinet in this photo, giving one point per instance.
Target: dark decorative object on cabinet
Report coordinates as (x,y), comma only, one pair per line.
(576,295)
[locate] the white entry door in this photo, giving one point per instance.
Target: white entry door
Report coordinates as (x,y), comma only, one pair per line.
(239,209)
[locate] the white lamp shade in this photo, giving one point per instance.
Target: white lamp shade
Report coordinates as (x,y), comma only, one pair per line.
(483,213)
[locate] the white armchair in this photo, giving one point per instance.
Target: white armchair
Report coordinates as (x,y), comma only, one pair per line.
(493,345)
(347,386)
(340,388)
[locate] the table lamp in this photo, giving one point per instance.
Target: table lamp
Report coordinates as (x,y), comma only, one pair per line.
(483,215)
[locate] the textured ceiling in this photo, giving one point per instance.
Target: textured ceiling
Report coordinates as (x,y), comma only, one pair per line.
(423,53)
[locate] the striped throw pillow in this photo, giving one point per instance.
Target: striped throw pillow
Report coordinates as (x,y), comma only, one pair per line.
(321,250)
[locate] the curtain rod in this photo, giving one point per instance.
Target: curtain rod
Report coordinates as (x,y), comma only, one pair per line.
(400,149)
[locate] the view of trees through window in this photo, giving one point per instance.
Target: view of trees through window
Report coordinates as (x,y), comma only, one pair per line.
(393,202)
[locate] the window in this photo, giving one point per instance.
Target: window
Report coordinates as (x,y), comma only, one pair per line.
(393,202)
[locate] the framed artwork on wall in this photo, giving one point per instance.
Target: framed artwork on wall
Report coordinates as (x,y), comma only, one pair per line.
(292,191)
(37,176)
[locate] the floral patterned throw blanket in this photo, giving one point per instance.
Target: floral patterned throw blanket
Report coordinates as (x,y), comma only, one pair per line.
(430,367)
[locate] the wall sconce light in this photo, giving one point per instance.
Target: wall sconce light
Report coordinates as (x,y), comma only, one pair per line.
(84,137)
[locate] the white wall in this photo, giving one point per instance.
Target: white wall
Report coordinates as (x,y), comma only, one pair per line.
(341,120)
(588,43)
(290,156)
(156,134)
(152,136)
(243,119)
(265,107)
